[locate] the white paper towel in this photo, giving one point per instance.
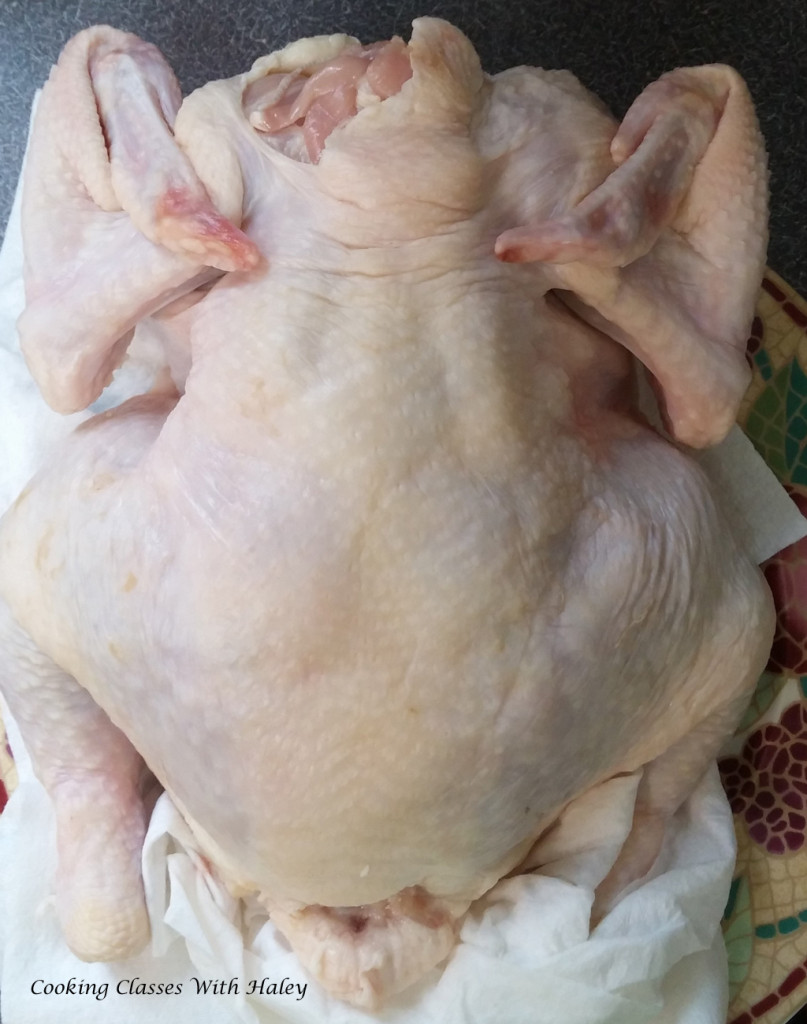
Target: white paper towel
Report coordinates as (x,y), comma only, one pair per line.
(525,953)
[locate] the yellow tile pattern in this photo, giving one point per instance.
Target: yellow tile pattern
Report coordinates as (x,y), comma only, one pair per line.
(778,883)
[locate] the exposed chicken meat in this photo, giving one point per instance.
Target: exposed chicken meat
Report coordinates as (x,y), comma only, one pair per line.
(326,96)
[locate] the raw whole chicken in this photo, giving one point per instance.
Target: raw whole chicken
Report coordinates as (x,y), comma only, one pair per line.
(386,568)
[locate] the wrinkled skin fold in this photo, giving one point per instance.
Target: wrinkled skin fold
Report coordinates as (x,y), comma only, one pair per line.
(387,569)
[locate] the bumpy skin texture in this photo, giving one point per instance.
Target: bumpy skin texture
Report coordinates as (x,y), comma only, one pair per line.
(397,571)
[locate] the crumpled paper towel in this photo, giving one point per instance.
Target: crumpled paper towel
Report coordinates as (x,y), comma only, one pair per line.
(525,953)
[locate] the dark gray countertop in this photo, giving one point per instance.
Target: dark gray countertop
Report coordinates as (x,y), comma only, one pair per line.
(615,48)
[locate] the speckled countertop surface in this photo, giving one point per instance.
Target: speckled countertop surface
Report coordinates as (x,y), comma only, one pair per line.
(614,47)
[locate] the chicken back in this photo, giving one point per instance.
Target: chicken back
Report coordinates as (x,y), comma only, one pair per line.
(388,568)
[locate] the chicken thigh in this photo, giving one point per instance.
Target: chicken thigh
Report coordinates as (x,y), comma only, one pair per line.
(388,568)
